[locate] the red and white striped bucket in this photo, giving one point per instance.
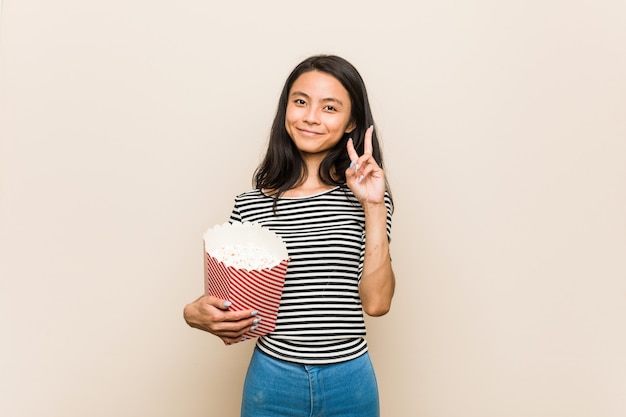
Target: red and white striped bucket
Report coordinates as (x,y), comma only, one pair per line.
(257,289)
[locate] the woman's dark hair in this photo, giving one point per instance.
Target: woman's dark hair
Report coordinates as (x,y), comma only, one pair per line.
(282,167)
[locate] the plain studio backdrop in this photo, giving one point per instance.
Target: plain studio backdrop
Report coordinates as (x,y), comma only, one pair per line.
(128,126)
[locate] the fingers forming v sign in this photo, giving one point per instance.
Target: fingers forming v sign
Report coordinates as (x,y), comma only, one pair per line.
(364,177)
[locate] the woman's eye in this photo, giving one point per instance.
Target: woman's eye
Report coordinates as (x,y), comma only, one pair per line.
(331,108)
(299,101)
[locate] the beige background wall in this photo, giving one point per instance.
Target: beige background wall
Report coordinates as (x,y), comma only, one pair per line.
(128,126)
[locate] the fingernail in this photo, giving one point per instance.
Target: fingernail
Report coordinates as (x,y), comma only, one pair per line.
(361,178)
(253,328)
(227,304)
(254,313)
(351,164)
(258,319)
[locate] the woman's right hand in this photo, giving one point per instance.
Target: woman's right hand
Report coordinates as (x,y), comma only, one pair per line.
(211,314)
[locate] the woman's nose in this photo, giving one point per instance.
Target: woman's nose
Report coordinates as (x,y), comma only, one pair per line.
(311,116)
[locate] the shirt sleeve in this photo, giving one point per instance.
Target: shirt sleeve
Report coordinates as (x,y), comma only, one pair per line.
(389,206)
(235,215)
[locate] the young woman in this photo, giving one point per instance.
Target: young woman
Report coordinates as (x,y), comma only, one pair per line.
(322,188)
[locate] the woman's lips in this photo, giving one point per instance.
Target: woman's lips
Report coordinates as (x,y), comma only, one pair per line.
(309,132)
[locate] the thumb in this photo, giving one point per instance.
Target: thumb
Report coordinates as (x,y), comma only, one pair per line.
(218,302)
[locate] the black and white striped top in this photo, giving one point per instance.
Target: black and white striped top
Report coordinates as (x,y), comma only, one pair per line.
(320,319)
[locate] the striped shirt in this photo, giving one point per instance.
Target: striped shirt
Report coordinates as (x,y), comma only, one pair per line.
(320,318)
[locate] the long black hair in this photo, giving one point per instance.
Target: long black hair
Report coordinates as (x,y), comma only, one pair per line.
(282,167)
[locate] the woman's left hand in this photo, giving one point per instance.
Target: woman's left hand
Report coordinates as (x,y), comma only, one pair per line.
(364,177)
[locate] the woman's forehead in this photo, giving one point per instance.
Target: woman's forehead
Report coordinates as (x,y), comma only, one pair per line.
(319,85)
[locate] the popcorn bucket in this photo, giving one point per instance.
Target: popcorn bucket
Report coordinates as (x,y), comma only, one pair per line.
(245,264)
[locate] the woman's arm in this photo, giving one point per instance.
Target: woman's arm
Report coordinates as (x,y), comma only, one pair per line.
(367,181)
(377,280)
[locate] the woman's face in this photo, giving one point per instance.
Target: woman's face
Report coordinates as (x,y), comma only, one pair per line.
(318,113)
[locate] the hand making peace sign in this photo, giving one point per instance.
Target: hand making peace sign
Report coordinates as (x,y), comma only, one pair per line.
(364,177)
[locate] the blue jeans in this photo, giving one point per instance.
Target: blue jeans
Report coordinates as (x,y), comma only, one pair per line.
(276,388)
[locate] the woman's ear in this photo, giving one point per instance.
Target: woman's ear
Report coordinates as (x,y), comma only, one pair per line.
(351,126)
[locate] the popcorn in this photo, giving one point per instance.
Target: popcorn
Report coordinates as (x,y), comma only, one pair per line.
(246,264)
(245,256)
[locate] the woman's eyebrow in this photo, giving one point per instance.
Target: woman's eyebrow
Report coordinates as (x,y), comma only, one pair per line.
(324,100)
(333,100)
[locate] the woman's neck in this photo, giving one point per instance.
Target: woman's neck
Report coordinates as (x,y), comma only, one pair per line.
(310,186)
